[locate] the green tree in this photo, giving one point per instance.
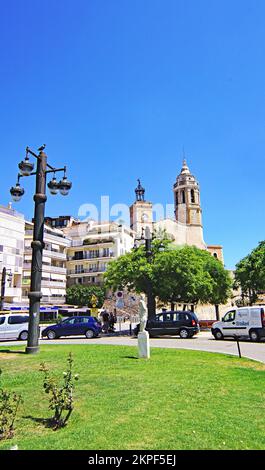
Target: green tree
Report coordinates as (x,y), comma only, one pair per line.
(187,274)
(83,295)
(250,274)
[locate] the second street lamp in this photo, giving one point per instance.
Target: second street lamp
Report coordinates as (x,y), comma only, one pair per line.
(64,186)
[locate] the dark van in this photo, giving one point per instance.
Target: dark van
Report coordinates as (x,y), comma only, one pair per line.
(180,323)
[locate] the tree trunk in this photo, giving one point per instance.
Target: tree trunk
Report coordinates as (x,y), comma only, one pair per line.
(172,306)
(192,308)
(217,312)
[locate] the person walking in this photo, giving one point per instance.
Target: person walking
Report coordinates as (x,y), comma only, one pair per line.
(105,317)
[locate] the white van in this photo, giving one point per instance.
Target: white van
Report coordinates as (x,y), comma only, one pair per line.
(244,321)
(14,326)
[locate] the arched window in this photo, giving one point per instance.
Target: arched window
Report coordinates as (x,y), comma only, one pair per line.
(215,255)
(192,196)
(177,199)
(183,197)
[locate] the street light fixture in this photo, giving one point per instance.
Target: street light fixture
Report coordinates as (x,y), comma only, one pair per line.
(64,186)
(53,186)
(26,169)
(16,191)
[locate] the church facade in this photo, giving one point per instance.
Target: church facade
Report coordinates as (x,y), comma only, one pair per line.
(186,227)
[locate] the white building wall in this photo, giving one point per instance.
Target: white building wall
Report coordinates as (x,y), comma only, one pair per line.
(12,231)
(54,271)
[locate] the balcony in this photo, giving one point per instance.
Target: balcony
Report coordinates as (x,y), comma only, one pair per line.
(53,284)
(54,254)
(100,256)
(98,270)
(47,268)
(13,292)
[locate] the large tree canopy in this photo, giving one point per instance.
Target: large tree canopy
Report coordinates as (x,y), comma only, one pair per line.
(82,295)
(250,274)
(184,275)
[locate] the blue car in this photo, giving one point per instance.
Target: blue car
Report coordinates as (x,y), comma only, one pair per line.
(74,326)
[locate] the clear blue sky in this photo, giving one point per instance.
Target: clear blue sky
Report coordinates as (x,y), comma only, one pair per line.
(116,88)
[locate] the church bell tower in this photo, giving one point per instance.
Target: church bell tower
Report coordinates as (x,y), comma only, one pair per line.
(141,212)
(187,202)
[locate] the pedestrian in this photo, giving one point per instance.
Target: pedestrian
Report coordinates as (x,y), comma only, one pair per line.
(105,317)
(112,321)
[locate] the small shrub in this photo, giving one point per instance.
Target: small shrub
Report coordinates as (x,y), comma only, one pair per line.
(9,404)
(61,397)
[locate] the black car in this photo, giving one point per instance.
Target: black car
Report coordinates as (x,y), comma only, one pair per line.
(182,323)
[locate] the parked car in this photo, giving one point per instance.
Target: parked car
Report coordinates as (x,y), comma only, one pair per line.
(14,326)
(241,322)
(74,326)
(182,323)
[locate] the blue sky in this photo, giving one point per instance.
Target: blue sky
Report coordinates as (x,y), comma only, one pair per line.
(116,88)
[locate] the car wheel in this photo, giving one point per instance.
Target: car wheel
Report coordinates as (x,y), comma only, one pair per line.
(184,334)
(254,336)
(51,334)
(218,335)
(23,336)
(89,334)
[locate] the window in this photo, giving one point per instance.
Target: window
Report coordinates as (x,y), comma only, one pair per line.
(183,197)
(159,318)
(192,196)
(167,317)
(17,320)
(215,255)
(79,255)
(230,316)
(82,320)
(69,322)
(177,199)
(175,317)
(2,320)
(79,269)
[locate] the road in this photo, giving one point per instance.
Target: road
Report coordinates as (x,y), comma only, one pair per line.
(202,342)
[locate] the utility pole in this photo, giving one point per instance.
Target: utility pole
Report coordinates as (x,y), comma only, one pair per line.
(3,288)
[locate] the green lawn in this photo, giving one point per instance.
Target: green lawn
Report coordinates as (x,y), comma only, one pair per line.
(177,400)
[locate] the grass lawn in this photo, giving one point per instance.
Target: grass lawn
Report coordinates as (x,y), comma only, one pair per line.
(177,400)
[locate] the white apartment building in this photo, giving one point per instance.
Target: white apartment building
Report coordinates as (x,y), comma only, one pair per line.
(54,271)
(12,230)
(93,246)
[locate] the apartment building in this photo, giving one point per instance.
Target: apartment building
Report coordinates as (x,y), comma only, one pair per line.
(93,246)
(12,230)
(54,270)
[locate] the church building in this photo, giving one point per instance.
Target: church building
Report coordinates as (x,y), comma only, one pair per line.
(186,227)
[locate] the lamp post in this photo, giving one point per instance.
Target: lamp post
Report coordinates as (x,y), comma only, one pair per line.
(63,186)
(146,238)
(5,273)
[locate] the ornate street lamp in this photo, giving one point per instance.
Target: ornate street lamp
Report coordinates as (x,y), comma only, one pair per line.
(64,186)
(146,240)
(53,186)
(16,191)
(26,169)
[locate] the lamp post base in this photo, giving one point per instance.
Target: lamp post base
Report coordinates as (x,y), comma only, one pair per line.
(32,349)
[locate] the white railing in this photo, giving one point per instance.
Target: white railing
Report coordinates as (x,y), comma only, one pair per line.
(13,292)
(53,284)
(45,268)
(54,254)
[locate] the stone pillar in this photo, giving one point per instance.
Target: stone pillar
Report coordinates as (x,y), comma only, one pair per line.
(143,345)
